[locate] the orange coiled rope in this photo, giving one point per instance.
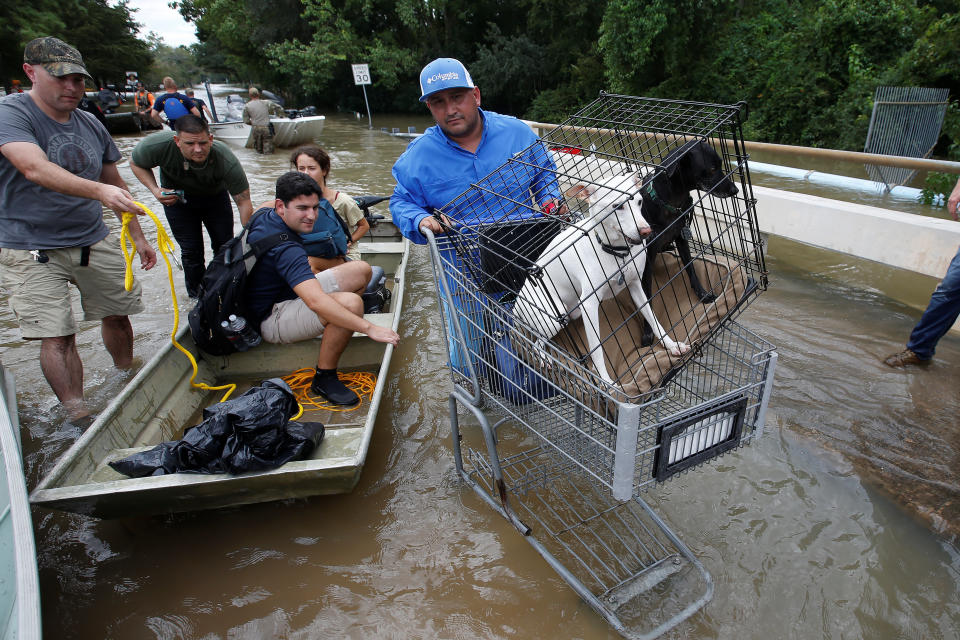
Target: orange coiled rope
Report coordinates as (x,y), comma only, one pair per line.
(360,382)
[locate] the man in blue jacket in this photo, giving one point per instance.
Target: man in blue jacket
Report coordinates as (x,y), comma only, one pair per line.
(469,146)
(466,146)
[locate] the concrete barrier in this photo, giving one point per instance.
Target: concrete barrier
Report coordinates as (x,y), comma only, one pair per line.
(904,240)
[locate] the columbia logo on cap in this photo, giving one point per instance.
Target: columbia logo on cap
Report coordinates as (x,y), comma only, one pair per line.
(443,73)
(453,75)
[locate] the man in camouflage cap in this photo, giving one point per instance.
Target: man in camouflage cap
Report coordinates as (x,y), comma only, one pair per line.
(58,165)
(56,56)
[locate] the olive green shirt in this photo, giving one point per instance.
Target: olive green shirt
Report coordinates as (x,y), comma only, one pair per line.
(221,170)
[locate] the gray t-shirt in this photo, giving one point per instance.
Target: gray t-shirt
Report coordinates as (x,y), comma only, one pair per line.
(34,217)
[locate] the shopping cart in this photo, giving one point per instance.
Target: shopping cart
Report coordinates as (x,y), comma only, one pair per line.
(565,449)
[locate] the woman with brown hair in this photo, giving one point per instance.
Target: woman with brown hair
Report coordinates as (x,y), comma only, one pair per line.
(314,161)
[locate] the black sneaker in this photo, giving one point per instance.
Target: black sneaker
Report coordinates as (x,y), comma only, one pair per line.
(328,386)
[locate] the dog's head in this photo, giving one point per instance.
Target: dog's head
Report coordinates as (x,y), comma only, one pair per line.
(697,165)
(616,205)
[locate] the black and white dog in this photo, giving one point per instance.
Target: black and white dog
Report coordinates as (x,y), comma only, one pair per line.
(667,205)
(590,261)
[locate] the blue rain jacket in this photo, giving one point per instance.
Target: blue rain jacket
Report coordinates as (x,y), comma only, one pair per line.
(434,170)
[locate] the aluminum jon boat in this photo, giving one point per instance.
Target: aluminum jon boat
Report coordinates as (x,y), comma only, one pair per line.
(159,403)
(288,132)
(19,584)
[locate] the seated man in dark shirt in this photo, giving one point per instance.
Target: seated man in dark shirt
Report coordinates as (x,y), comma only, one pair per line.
(289,303)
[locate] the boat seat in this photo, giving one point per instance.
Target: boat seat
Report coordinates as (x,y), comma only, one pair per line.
(380,247)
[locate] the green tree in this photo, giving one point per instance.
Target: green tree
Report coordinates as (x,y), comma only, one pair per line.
(807,68)
(180,63)
(105,35)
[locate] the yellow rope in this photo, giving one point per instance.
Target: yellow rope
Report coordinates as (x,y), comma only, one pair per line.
(165,246)
(361,382)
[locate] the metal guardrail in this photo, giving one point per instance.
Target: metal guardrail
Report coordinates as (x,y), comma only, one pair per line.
(859,157)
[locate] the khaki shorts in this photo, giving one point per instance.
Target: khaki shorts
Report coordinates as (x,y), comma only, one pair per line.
(40,296)
(292,320)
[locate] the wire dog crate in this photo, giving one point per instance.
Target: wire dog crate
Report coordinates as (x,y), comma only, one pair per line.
(589,290)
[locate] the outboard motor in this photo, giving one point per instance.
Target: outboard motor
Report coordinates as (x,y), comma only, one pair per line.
(269,95)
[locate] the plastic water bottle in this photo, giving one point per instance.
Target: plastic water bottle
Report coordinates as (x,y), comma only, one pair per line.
(239,325)
(235,338)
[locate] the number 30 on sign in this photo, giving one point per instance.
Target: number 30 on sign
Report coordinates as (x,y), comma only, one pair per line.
(361,74)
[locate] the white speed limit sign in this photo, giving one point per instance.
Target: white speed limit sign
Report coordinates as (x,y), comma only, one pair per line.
(361,74)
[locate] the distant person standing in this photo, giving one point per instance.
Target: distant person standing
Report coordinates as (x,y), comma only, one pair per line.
(142,99)
(256,113)
(942,310)
(173,104)
(204,171)
(58,169)
(201,106)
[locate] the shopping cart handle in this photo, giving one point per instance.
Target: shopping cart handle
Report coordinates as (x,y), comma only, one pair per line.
(446,221)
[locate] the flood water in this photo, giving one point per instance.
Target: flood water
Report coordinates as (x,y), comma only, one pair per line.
(841,522)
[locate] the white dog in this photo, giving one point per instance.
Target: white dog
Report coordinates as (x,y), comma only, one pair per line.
(589,262)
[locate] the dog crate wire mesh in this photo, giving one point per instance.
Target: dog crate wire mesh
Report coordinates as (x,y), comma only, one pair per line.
(568,214)
(539,366)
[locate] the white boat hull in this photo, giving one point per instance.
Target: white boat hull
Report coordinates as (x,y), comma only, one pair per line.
(233,133)
(293,133)
(287,132)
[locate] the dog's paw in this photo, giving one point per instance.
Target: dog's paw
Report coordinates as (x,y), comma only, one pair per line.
(542,361)
(678,348)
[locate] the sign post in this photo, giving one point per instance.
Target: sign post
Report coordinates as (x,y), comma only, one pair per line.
(361,76)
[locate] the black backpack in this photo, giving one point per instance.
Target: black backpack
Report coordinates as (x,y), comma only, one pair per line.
(222,289)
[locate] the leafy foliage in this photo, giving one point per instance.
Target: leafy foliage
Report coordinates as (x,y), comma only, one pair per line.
(105,35)
(936,187)
(808,69)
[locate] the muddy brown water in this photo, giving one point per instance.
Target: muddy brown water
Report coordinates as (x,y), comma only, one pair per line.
(841,522)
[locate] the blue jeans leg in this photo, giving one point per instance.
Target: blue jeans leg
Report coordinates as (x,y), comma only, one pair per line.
(941,313)
(187,220)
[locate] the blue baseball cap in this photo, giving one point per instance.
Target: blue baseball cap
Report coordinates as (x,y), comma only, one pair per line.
(443,73)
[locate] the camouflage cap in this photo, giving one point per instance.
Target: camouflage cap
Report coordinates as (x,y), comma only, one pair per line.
(54,55)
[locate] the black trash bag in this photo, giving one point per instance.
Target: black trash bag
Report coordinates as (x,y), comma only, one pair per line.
(252,432)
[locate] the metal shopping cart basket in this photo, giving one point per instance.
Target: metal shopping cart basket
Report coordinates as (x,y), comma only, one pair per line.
(580,411)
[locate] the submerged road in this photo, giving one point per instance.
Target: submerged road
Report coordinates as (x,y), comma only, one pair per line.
(839,523)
